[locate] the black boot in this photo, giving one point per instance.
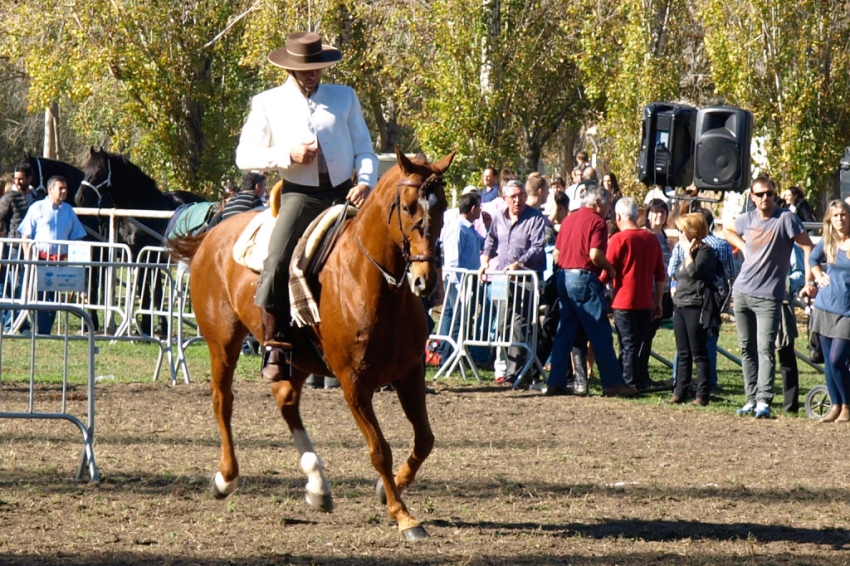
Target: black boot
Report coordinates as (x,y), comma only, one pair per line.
(276,352)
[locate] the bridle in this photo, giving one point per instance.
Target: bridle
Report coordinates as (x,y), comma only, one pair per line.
(105,183)
(40,186)
(422,225)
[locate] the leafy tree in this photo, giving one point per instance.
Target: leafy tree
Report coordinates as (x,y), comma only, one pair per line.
(788,63)
(633,53)
(498,80)
(155,77)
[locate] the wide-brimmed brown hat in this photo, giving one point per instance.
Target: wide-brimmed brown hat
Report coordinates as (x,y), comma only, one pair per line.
(304,51)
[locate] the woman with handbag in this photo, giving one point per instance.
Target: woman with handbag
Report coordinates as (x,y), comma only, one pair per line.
(830,270)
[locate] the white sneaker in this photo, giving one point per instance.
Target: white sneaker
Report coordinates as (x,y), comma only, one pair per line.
(746,410)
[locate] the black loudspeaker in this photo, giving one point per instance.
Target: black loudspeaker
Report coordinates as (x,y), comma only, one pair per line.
(722,153)
(667,145)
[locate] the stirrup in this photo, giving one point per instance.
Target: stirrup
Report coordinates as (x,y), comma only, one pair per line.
(277,363)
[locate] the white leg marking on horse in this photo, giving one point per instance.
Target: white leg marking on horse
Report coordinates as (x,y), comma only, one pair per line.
(312,466)
(225,487)
(302,441)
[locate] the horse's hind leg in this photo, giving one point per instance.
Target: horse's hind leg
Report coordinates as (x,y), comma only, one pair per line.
(360,402)
(223,360)
(288,396)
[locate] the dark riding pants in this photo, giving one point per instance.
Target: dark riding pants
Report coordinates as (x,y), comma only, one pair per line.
(297,211)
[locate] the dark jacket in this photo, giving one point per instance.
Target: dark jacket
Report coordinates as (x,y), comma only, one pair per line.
(692,280)
(13,208)
(803,210)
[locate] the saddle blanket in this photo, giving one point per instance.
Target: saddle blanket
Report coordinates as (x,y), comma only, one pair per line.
(192,218)
(252,249)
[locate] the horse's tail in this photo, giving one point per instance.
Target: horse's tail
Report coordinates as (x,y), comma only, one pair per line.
(184,248)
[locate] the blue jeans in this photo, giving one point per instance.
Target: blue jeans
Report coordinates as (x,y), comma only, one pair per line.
(16,273)
(582,302)
(45,319)
(449,322)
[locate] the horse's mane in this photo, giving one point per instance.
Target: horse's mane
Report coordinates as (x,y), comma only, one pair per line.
(65,169)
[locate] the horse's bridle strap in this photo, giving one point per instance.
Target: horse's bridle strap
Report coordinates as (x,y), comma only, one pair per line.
(421,257)
(106,182)
(389,278)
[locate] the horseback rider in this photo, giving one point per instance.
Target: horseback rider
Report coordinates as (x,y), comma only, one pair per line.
(315,137)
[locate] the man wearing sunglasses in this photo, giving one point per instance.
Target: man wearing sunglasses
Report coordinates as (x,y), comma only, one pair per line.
(766,237)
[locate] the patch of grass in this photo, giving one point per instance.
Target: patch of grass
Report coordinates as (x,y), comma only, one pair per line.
(729,374)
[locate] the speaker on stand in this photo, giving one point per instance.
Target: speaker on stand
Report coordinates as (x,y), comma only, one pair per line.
(667,145)
(722,151)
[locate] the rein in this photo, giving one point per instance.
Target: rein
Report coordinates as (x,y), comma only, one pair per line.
(421,224)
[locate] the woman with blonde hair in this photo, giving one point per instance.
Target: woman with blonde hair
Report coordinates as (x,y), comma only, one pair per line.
(693,278)
(830,270)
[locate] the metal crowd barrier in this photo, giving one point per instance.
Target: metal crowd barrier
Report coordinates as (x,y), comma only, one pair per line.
(31,411)
(500,311)
(114,297)
(177,306)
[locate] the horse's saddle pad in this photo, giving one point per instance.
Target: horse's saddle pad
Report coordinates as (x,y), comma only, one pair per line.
(252,247)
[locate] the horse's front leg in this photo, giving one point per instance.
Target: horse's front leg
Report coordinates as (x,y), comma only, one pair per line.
(288,396)
(360,402)
(222,364)
(411,395)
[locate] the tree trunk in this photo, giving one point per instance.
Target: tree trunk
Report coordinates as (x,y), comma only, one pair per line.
(52,147)
(532,158)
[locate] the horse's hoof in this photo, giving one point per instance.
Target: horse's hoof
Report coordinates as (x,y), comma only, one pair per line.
(381,491)
(321,501)
(415,533)
(219,488)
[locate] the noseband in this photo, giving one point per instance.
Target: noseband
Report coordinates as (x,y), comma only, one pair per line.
(422,225)
(105,183)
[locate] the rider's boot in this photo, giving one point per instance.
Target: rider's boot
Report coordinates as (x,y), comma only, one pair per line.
(277,348)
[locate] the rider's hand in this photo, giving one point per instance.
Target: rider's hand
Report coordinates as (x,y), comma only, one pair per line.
(357,194)
(304,152)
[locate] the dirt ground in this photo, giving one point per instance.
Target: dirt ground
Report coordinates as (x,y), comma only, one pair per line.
(515,478)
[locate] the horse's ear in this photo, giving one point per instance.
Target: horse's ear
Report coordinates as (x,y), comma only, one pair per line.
(403,162)
(91,150)
(442,165)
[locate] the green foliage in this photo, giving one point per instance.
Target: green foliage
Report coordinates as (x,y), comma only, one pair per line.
(634,56)
(495,80)
(787,62)
(144,77)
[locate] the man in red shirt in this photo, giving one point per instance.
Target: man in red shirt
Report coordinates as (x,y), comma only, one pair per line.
(635,255)
(580,252)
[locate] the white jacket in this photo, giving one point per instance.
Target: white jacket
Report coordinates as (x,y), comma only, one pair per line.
(282,117)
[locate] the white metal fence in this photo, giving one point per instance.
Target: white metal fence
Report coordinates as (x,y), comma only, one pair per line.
(499,311)
(40,403)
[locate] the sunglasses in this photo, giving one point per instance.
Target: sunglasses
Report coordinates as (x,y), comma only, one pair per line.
(764,194)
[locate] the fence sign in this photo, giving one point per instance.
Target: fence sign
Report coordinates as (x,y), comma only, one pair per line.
(499,288)
(61,278)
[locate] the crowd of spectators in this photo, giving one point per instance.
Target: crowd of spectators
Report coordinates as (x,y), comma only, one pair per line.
(596,254)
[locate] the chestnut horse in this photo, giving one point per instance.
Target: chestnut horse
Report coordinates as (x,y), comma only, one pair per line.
(372,332)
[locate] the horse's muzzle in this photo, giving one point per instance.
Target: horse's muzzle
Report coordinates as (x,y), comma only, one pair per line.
(423,279)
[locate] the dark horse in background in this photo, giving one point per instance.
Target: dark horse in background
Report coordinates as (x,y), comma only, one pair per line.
(43,169)
(111,180)
(372,332)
